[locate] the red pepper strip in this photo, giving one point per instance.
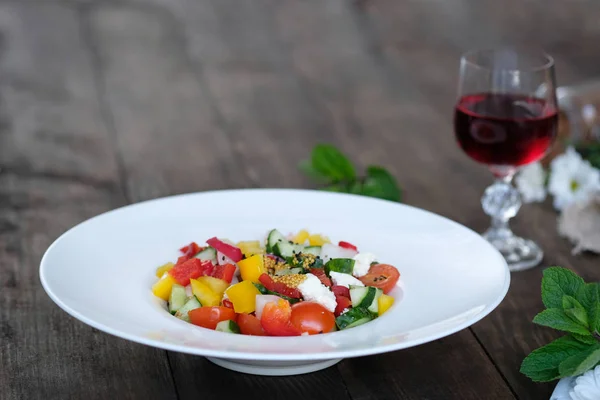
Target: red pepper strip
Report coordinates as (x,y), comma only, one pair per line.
(347,245)
(191,249)
(224,272)
(232,252)
(279,287)
(319,273)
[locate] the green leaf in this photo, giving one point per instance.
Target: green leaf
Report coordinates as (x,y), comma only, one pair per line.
(558,319)
(331,163)
(542,364)
(575,310)
(558,282)
(580,362)
(587,339)
(306,167)
(589,297)
(381,184)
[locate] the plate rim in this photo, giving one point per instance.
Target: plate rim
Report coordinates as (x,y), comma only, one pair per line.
(237,355)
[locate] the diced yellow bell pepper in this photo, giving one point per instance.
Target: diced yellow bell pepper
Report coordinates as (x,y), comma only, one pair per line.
(243,296)
(251,268)
(162,288)
(215,284)
(160,271)
(301,237)
(250,248)
(318,240)
(204,294)
(384,303)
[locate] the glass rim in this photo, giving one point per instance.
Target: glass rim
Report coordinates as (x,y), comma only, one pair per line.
(548,64)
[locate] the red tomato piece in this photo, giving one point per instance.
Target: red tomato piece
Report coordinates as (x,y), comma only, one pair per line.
(275,319)
(319,273)
(383,276)
(209,317)
(279,287)
(230,251)
(343,302)
(340,291)
(224,272)
(250,325)
(190,269)
(312,318)
(191,249)
(347,245)
(182,259)
(227,303)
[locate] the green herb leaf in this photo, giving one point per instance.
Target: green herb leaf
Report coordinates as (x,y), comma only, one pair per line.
(587,339)
(558,319)
(580,362)
(575,310)
(556,283)
(589,297)
(330,162)
(542,365)
(306,167)
(379,183)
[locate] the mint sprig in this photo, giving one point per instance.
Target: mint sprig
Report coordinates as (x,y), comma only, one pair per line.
(572,306)
(330,168)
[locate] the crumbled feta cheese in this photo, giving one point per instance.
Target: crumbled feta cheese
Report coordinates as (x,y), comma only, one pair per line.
(362,263)
(344,280)
(313,290)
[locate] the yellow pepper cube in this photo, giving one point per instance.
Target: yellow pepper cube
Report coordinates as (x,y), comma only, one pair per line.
(250,248)
(251,268)
(301,237)
(160,271)
(318,240)
(243,296)
(163,287)
(384,303)
(217,285)
(204,294)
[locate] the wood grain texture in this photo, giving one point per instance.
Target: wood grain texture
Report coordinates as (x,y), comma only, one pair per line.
(57,169)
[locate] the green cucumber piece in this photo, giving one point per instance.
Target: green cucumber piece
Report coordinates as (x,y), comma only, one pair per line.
(314,250)
(208,254)
(191,304)
(228,326)
(374,307)
(273,238)
(354,317)
(341,265)
(287,249)
(177,298)
(361,296)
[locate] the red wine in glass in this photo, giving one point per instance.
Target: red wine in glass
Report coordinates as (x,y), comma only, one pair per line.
(504,129)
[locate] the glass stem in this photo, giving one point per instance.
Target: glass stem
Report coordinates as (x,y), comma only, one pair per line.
(501,201)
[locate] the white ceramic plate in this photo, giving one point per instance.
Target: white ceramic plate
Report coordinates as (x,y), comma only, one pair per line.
(101,272)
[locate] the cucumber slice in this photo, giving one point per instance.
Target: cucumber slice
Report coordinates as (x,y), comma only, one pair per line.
(273,238)
(289,271)
(287,249)
(342,265)
(191,304)
(314,250)
(354,317)
(208,254)
(374,307)
(366,297)
(228,326)
(177,298)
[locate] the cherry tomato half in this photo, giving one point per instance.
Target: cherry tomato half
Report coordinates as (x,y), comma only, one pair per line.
(343,302)
(383,276)
(275,319)
(250,325)
(209,317)
(312,318)
(340,291)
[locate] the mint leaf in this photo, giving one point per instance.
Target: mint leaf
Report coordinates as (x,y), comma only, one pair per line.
(542,365)
(558,319)
(589,297)
(330,162)
(379,183)
(558,282)
(580,362)
(575,310)
(587,339)
(306,167)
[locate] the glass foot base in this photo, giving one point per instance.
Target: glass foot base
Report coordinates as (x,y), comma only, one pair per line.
(520,254)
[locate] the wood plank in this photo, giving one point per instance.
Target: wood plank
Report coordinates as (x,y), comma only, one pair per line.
(254,66)
(58,168)
(445,31)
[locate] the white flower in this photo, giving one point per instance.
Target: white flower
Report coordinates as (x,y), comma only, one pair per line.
(572,179)
(587,386)
(530,182)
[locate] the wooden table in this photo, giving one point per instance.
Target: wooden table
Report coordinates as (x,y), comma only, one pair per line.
(108,102)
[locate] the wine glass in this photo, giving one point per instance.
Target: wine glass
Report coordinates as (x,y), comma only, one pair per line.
(506,117)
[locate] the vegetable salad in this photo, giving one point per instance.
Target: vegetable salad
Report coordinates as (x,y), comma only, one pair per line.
(301,284)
